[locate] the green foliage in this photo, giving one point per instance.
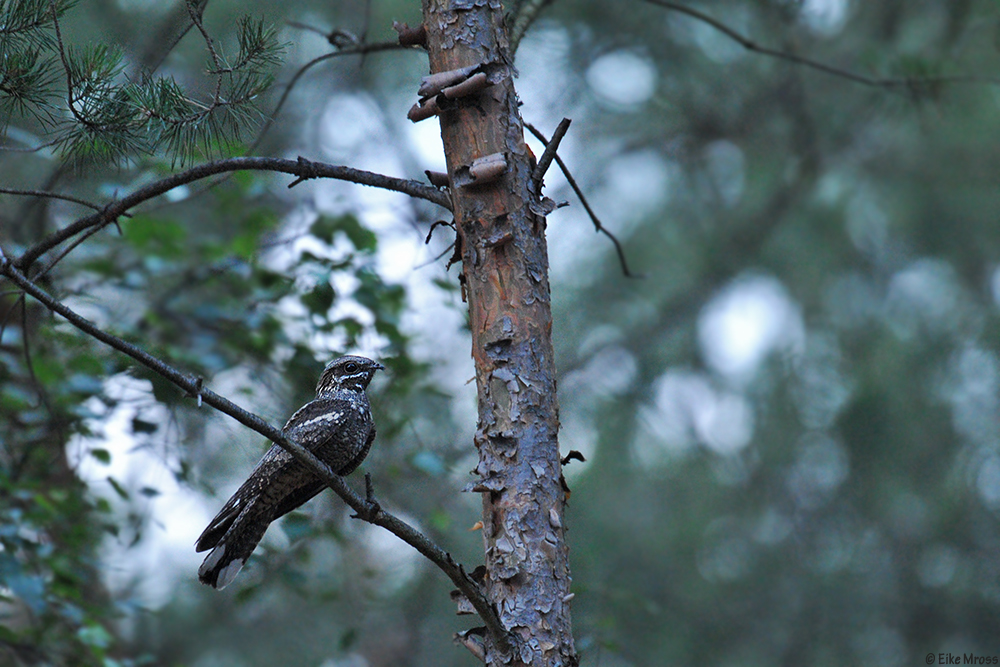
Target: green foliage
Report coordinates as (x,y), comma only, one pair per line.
(207,298)
(105,114)
(45,535)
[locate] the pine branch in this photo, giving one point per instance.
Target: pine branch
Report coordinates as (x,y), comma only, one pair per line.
(114,121)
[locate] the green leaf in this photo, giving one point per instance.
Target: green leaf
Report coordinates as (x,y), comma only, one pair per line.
(246,594)
(143,426)
(319,299)
(102,455)
(119,489)
(325,229)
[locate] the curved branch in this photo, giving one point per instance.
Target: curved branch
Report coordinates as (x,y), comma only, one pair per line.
(586,205)
(357,49)
(193,386)
(750,45)
(301,168)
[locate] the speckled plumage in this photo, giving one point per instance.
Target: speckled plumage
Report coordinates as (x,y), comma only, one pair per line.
(336,426)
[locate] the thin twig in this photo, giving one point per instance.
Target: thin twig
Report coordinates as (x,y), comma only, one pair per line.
(550,152)
(193,386)
(586,206)
(750,45)
(67,250)
(164,43)
(50,195)
(527,13)
(33,149)
(66,68)
(119,207)
(436,259)
(306,27)
(30,365)
(209,46)
(359,49)
(364,30)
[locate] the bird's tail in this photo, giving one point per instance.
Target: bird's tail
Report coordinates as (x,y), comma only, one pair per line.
(230,551)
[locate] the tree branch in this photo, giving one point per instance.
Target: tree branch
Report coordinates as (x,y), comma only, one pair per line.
(301,168)
(586,205)
(750,45)
(193,386)
(551,146)
(50,195)
(357,49)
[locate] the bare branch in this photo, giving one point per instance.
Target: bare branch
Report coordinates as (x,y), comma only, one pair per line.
(67,250)
(750,45)
(49,195)
(193,386)
(358,49)
(172,31)
(550,152)
(586,206)
(300,168)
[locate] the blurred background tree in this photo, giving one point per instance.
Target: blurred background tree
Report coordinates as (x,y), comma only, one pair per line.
(790,421)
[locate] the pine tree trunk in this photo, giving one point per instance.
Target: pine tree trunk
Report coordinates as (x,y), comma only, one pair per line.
(505,280)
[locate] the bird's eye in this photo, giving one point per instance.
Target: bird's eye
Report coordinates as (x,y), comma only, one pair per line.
(351,367)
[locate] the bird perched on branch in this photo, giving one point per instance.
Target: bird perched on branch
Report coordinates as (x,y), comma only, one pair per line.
(336,426)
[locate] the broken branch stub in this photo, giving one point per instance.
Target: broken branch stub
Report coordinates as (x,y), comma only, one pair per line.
(410,36)
(488,168)
(433,84)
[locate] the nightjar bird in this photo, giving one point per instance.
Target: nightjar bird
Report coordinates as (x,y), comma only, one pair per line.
(336,426)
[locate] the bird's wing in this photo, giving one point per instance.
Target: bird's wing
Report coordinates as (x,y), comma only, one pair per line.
(314,426)
(319,422)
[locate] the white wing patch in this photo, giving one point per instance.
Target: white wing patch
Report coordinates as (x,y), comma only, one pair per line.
(226,574)
(213,559)
(229,573)
(329,417)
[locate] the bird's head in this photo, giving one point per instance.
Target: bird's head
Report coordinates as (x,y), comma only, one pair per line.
(349,372)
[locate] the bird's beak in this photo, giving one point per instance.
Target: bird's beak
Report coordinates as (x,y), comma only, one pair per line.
(379,367)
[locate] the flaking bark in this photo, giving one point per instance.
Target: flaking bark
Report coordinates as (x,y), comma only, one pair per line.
(505,273)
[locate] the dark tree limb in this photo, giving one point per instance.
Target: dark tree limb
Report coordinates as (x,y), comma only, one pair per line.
(299,168)
(365,507)
(876,82)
